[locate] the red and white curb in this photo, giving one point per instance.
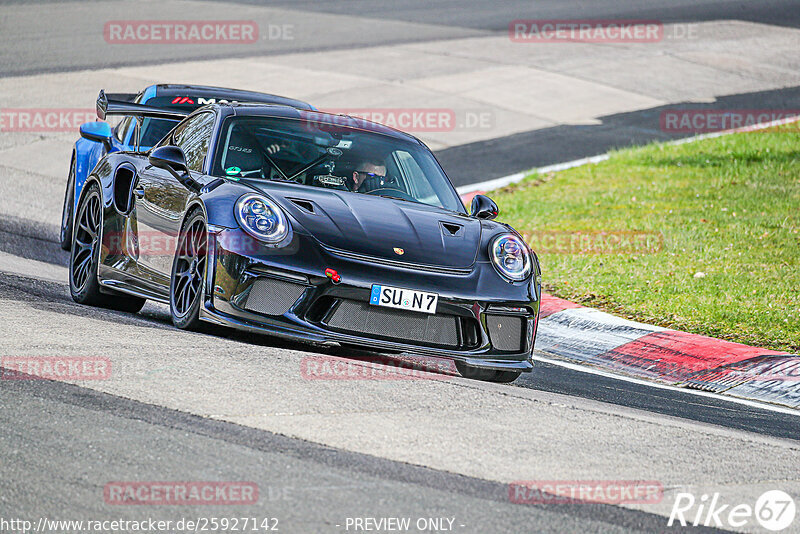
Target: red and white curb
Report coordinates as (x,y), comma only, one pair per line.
(599,341)
(568,331)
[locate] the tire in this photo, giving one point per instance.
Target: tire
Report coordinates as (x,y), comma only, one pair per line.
(486,375)
(66,211)
(84,286)
(189,273)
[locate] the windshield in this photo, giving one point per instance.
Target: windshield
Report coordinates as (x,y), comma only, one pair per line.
(331,156)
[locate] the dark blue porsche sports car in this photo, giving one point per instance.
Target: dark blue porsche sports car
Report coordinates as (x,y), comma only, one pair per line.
(322,228)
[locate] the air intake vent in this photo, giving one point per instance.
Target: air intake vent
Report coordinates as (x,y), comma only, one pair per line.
(272,297)
(304,205)
(397,325)
(505,332)
(451,229)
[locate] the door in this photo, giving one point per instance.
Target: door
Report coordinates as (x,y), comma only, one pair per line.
(160,200)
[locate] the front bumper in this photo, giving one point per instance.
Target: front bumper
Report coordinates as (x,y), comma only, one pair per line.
(472,302)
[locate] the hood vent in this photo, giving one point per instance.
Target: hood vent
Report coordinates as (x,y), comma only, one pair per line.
(450,229)
(304,205)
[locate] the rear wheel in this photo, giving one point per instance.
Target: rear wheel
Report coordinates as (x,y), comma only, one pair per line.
(486,375)
(66,211)
(188,273)
(83,284)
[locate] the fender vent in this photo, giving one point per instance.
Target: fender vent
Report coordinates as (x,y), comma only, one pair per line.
(124,181)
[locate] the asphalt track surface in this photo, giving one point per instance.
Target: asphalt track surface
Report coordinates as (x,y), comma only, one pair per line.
(61,442)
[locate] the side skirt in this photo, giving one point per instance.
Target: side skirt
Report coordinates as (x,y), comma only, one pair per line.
(115,281)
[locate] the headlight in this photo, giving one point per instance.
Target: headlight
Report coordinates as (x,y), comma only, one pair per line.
(261,218)
(510,257)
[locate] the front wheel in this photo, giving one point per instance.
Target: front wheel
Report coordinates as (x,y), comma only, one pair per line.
(66,211)
(486,375)
(188,273)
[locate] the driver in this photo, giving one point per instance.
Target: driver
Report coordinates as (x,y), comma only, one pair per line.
(368,176)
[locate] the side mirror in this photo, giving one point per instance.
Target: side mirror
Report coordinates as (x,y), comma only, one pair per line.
(484,207)
(99,132)
(171,159)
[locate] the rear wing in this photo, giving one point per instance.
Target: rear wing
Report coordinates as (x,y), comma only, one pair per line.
(107,106)
(124,106)
(125,97)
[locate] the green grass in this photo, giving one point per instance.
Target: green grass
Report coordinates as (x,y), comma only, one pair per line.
(727,207)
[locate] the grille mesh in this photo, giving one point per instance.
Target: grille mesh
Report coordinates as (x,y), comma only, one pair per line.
(272,297)
(506,331)
(404,326)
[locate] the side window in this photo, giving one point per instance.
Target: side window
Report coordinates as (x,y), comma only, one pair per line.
(154,130)
(418,185)
(125,125)
(193,137)
(122,128)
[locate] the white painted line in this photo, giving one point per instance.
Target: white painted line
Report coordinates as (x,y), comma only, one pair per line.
(497,183)
(514,178)
(697,392)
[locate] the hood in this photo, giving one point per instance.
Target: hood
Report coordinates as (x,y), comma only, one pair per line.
(376,226)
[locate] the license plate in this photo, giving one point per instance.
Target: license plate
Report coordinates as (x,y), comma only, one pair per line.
(403,299)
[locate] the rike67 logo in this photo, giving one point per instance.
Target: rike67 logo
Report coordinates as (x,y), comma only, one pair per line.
(774,510)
